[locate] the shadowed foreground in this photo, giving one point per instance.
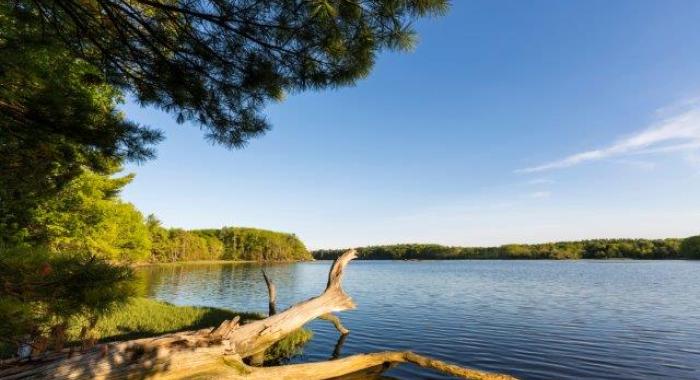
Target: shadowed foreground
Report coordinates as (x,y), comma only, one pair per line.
(226,351)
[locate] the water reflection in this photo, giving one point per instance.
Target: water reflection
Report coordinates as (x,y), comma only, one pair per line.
(339,346)
(215,284)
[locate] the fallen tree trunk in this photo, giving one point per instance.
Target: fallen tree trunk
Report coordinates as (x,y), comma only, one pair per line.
(354,363)
(272,306)
(219,352)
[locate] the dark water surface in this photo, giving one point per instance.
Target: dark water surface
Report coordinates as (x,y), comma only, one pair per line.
(532,319)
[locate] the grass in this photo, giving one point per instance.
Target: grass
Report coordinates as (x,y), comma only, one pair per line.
(288,347)
(144,317)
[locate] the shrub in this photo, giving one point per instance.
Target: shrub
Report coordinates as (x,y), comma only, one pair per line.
(44,293)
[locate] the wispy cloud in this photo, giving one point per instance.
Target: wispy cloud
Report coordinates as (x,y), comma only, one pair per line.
(540,181)
(637,164)
(540,194)
(673,134)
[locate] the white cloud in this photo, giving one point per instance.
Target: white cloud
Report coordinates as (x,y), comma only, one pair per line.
(540,194)
(678,133)
(637,164)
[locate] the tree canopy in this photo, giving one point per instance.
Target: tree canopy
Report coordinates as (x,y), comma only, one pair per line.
(217,62)
(66,64)
(58,116)
(88,216)
(690,248)
(228,243)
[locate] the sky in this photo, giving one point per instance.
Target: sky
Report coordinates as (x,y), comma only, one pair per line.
(511,122)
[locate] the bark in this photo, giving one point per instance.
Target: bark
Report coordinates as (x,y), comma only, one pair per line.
(354,363)
(256,336)
(272,295)
(219,353)
(336,322)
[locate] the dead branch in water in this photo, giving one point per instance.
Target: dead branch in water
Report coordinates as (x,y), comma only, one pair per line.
(272,294)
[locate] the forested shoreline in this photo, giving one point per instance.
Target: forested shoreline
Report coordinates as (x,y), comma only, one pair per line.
(644,249)
(89,217)
(228,244)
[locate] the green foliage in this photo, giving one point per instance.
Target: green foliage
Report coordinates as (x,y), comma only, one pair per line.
(587,249)
(218,63)
(87,216)
(57,117)
(290,346)
(690,248)
(144,317)
(43,291)
(65,64)
(252,244)
(228,243)
(171,245)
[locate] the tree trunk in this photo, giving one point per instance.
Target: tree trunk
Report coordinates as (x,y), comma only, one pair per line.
(219,353)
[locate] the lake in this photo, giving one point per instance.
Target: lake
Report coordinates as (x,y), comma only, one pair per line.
(532,319)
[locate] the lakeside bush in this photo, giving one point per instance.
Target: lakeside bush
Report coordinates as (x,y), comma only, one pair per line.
(44,293)
(586,249)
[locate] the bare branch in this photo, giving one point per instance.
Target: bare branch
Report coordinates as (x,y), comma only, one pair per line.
(336,322)
(272,294)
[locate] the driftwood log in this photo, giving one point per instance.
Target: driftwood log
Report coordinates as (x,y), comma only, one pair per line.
(219,353)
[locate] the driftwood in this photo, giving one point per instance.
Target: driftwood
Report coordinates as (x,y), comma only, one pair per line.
(272,295)
(220,352)
(272,306)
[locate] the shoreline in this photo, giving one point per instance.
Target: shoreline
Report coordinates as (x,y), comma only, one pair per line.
(208,262)
(217,262)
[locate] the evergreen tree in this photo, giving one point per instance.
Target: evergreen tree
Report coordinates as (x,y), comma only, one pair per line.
(217,62)
(57,117)
(45,292)
(88,216)
(64,63)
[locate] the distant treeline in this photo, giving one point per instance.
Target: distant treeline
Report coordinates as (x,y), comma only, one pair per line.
(228,243)
(586,249)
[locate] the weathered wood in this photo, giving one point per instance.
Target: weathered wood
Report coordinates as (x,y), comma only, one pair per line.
(354,363)
(219,352)
(272,294)
(256,336)
(336,322)
(226,327)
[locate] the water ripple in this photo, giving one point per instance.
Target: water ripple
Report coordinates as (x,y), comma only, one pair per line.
(533,319)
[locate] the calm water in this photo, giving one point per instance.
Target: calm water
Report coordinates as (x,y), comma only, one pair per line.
(532,319)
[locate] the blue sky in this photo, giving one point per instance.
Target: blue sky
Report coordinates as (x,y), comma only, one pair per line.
(512,121)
